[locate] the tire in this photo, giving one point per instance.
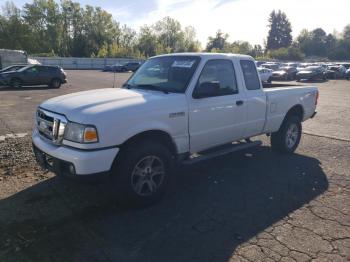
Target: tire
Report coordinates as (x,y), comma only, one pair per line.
(55,83)
(269,80)
(16,83)
(132,179)
(287,138)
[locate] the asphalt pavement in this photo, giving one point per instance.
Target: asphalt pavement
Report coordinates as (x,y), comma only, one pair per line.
(254,205)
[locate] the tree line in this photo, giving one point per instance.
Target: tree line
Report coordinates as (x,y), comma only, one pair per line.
(281,45)
(45,27)
(48,28)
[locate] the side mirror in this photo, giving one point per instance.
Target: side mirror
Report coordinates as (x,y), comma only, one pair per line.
(207,89)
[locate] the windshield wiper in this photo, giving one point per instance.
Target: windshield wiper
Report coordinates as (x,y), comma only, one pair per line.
(128,86)
(153,88)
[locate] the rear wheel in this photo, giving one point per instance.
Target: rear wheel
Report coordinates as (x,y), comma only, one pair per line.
(55,83)
(141,174)
(16,83)
(287,138)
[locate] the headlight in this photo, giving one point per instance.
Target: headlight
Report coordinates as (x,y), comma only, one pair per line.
(80,133)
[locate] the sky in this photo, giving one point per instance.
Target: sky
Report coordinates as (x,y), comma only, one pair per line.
(241,19)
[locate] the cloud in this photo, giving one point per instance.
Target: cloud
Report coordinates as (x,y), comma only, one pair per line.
(241,19)
(247,19)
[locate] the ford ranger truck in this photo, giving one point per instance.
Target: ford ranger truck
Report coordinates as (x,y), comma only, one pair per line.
(173,109)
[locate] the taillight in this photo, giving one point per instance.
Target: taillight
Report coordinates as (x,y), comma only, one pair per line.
(317,95)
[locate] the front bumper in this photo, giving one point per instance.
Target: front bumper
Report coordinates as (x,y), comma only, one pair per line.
(73,162)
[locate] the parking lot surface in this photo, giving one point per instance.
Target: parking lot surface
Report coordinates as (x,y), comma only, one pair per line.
(254,205)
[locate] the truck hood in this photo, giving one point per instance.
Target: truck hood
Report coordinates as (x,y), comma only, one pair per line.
(87,106)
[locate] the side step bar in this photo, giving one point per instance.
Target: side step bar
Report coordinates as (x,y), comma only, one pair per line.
(220,152)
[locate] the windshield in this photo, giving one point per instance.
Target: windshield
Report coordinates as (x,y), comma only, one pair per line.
(166,74)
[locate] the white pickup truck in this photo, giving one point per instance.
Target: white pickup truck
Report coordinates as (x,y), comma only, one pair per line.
(175,108)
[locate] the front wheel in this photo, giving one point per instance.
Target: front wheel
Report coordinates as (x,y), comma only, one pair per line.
(287,138)
(55,83)
(141,174)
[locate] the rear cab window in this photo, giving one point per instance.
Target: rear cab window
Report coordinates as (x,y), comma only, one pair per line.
(250,75)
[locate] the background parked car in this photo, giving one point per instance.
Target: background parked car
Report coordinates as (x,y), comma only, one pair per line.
(12,68)
(130,66)
(265,74)
(31,75)
(312,73)
(347,74)
(346,65)
(285,73)
(336,71)
(271,66)
(259,63)
(290,64)
(113,68)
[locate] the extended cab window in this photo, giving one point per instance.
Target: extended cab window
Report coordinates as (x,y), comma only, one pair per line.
(218,76)
(250,75)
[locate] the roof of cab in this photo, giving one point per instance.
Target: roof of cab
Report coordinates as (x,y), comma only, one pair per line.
(209,55)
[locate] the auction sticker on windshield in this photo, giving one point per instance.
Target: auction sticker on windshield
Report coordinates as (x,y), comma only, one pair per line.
(183,63)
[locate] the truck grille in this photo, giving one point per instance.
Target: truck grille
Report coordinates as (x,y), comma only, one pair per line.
(51,125)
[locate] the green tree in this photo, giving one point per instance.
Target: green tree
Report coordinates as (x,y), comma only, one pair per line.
(286,54)
(147,41)
(14,34)
(316,42)
(169,34)
(346,32)
(257,51)
(280,31)
(218,42)
(190,42)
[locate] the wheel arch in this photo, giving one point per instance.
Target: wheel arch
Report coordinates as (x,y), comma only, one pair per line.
(154,135)
(296,110)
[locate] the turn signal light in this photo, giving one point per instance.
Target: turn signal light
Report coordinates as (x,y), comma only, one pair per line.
(90,135)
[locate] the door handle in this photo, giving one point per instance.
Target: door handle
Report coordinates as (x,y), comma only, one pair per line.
(239,102)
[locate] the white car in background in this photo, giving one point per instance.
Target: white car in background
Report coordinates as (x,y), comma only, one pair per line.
(265,74)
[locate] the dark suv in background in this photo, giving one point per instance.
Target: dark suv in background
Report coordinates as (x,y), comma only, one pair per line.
(130,66)
(312,73)
(12,68)
(31,75)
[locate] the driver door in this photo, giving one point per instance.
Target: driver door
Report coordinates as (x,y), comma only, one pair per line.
(31,76)
(218,118)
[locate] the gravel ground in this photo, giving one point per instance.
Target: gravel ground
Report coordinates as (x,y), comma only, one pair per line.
(248,206)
